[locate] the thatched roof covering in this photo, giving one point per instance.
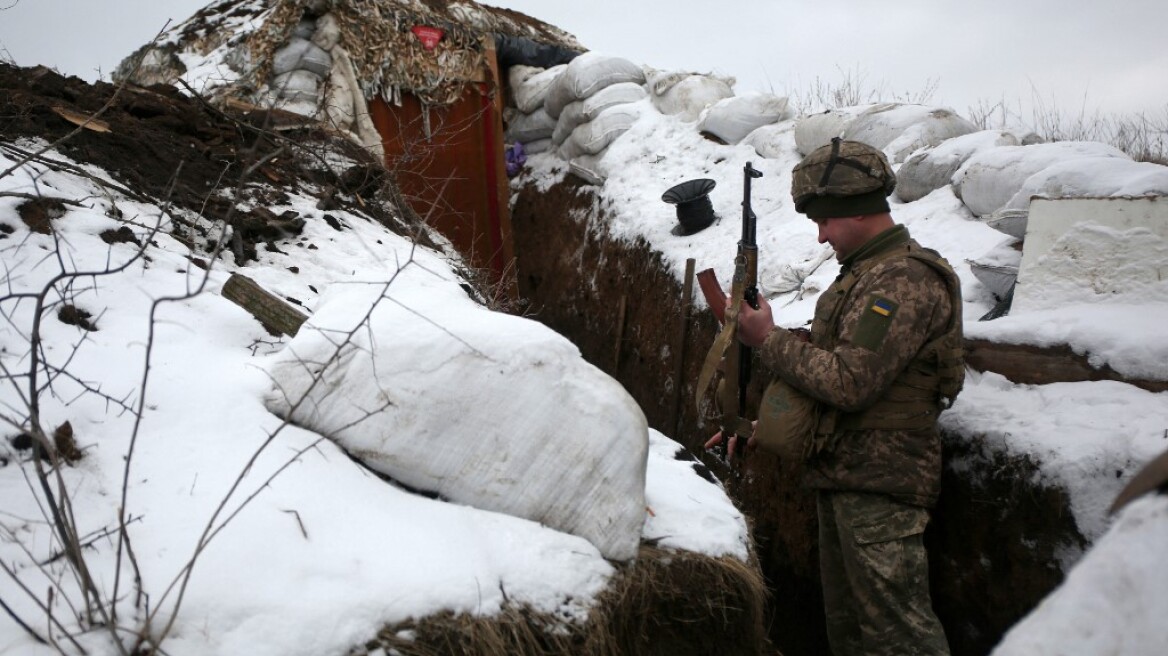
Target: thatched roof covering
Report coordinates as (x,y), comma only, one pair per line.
(242,35)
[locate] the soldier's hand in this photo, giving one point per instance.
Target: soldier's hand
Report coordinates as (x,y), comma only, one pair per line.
(732,447)
(754,325)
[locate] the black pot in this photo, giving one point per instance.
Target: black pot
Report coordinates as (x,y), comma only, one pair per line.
(694,210)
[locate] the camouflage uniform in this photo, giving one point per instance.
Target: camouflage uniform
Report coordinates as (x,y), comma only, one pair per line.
(876,456)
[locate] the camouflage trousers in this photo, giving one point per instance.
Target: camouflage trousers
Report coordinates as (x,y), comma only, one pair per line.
(875,577)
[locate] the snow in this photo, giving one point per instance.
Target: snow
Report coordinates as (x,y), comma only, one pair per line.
(302,550)
(1088,438)
(311,553)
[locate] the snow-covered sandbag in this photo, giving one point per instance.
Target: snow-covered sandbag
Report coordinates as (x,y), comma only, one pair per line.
(817,130)
(529,127)
(587,74)
(685,95)
(530,84)
(731,119)
(902,129)
(526,427)
(1088,176)
(929,170)
(991,177)
(582,111)
(297,85)
(595,135)
(772,141)
(301,54)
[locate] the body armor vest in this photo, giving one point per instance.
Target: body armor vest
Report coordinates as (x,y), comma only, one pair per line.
(931,380)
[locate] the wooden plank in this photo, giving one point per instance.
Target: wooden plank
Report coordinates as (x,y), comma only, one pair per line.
(276,315)
(1034,365)
(679,348)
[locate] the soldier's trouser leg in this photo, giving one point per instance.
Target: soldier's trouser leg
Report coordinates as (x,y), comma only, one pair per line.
(876,577)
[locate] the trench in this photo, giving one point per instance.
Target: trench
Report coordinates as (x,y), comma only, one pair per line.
(996,534)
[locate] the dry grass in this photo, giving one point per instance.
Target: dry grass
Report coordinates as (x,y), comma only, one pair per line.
(1142,135)
(669,603)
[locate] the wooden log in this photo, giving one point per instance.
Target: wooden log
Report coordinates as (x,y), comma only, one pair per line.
(1035,365)
(276,315)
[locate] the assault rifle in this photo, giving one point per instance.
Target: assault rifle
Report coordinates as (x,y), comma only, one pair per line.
(734,356)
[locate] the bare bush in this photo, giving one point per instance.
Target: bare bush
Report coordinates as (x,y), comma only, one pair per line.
(853,88)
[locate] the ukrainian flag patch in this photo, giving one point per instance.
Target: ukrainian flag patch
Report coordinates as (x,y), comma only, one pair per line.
(883,307)
(874,322)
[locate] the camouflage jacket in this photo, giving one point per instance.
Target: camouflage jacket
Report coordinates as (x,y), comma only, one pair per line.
(859,358)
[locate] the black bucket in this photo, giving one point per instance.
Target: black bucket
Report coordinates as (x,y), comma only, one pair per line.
(694,210)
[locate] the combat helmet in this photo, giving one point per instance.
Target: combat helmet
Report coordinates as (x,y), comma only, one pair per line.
(843,178)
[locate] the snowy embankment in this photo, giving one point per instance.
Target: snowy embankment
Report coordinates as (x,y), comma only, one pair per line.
(1088,438)
(310,552)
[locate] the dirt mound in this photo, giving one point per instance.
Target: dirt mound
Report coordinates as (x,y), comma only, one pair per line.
(158,143)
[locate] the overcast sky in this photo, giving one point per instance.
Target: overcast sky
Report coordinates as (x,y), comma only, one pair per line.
(1073,55)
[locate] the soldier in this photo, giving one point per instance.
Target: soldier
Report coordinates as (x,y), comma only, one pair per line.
(884,358)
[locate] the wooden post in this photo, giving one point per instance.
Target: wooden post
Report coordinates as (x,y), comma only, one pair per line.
(620,332)
(678,372)
(276,315)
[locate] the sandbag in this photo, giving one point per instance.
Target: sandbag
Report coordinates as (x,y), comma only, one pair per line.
(297,85)
(527,428)
(772,141)
(991,177)
(586,75)
(817,130)
(929,170)
(529,85)
(1090,177)
(902,129)
(731,119)
(537,146)
(596,135)
(327,33)
(786,421)
(529,127)
(685,95)
(301,54)
(581,111)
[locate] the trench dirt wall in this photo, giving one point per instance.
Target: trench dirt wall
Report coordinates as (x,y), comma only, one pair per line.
(995,535)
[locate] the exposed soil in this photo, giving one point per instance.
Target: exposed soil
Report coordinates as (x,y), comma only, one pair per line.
(996,533)
(159,143)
